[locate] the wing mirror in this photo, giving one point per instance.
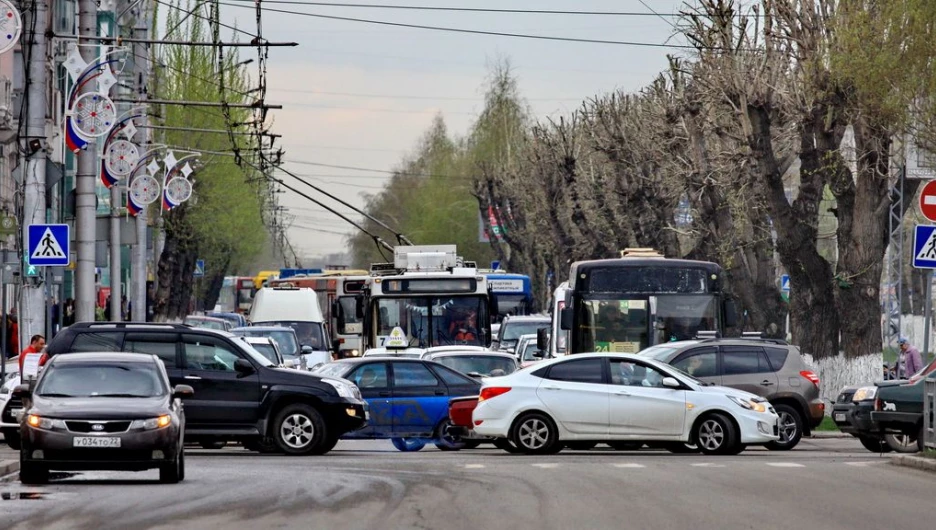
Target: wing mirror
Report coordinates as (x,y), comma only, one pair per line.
(731,314)
(243,367)
(671,382)
(565,318)
(22,391)
(305,349)
(542,338)
(183,391)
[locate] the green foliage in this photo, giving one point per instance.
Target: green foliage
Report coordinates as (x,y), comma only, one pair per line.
(223,217)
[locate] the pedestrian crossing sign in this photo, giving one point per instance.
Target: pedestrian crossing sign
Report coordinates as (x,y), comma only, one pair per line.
(199,268)
(48,245)
(924,247)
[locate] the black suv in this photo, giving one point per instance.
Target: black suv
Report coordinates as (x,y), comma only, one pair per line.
(239,394)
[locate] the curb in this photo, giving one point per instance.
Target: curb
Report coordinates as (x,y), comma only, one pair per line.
(830,434)
(8,467)
(916,462)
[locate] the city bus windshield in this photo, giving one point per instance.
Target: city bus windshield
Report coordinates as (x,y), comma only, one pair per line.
(451,320)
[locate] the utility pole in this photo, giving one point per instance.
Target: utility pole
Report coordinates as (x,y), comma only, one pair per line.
(141,29)
(85,180)
(33,304)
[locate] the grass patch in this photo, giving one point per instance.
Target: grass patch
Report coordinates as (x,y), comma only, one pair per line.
(827,425)
(929,453)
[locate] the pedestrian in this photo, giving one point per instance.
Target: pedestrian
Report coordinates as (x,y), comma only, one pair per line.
(13,348)
(69,312)
(36,344)
(909,361)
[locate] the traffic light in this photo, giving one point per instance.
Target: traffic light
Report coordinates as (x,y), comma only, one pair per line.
(32,271)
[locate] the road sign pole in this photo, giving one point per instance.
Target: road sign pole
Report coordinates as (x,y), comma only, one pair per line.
(927,312)
(115,272)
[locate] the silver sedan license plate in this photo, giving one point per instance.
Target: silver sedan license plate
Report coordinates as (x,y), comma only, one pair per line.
(839,416)
(95,441)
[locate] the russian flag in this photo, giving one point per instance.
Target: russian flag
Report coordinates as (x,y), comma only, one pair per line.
(106,178)
(133,207)
(166,203)
(73,140)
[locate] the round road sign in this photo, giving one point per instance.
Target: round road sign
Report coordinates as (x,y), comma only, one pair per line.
(928,200)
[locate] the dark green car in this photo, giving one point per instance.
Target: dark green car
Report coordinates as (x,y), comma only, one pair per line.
(899,409)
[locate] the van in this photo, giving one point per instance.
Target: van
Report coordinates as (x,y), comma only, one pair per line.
(297,308)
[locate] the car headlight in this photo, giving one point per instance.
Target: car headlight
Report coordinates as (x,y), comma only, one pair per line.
(344,390)
(355,353)
(756,406)
(865,392)
(48,424)
(152,423)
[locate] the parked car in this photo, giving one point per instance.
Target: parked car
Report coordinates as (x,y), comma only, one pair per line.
(237,320)
(197,321)
(285,338)
(242,396)
(851,413)
(514,326)
(601,397)
(407,353)
(407,398)
(102,411)
(476,364)
(898,409)
(268,348)
(769,368)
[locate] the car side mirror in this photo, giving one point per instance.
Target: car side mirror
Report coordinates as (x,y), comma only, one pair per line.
(22,391)
(183,391)
(671,382)
(359,306)
(306,349)
(542,338)
(243,367)
(565,318)
(731,314)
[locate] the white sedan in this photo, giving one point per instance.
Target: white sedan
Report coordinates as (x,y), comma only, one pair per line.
(620,399)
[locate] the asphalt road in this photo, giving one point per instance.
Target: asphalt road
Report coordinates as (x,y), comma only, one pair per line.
(828,484)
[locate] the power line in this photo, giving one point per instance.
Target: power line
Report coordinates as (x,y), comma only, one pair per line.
(466,9)
(403,96)
(471,31)
(370,109)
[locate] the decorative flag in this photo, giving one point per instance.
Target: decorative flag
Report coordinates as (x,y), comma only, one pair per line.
(73,140)
(106,178)
(133,207)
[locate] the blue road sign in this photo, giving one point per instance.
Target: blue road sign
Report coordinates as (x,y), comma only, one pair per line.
(199,268)
(495,265)
(785,283)
(47,245)
(924,247)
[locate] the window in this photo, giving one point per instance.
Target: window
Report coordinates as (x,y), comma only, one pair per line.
(96,342)
(737,360)
(372,375)
(629,373)
(413,375)
(205,353)
(158,344)
(584,371)
(451,377)
(777,357)
(700,362)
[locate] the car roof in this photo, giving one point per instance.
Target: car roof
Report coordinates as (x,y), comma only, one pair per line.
(485,353)
(264,328)
(527,318)
(440,349)
(359,360)
(203,317)
(106,357)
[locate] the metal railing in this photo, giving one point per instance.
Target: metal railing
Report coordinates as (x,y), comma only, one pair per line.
(929,413)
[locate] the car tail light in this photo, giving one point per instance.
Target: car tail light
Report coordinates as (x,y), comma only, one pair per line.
(811,376)
(877,404)
(492,392)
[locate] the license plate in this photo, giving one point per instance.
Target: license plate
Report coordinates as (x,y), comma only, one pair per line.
(95,441)
(839,416)
(16,413)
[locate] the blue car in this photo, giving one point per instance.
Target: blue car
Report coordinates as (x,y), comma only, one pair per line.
(407,399)
(237,320)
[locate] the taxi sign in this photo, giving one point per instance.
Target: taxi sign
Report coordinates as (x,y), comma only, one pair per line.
(397,339)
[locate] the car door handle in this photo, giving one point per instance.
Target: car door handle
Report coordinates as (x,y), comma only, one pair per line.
(551,388)
(193,378)
(766,383)
(440,392)
(623,393)
(384,394)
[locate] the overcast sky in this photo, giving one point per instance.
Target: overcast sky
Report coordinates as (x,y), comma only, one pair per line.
(360,94)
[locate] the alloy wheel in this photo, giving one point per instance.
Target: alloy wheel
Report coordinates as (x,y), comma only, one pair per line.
(534,434)
(787,427)
(711,435)
(297,431)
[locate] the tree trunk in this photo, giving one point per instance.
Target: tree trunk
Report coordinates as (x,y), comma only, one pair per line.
(211,290)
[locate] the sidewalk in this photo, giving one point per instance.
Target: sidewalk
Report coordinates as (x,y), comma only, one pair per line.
(914,461)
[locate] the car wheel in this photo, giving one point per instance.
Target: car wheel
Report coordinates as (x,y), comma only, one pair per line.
(626,446)
(902,443)
(12,438)
(171,472)
(33,474)
(716,435)
(261,445)
(216,444)
(300,430)
(471,444)
(875,445)
(408,445)
(791,429)
(581,446)
(505,445)
(535,434)
(681,448)
(444,440)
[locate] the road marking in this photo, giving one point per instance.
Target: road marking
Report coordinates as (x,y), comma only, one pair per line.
(784,464)
(545,466)
(862,464)
(629,466)
(707,464)
(474,466)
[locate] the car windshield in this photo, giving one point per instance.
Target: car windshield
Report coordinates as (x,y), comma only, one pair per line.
(286,340)
(338,370)
(308,333)
(437,321)
(486,365)
(206,324)
(660,352)
(267,350)
(140,380)
(511,331)
(258,357)
(527,349)
(924,372)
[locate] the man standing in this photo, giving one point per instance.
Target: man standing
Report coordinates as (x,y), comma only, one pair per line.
(36,343)
(909,361)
